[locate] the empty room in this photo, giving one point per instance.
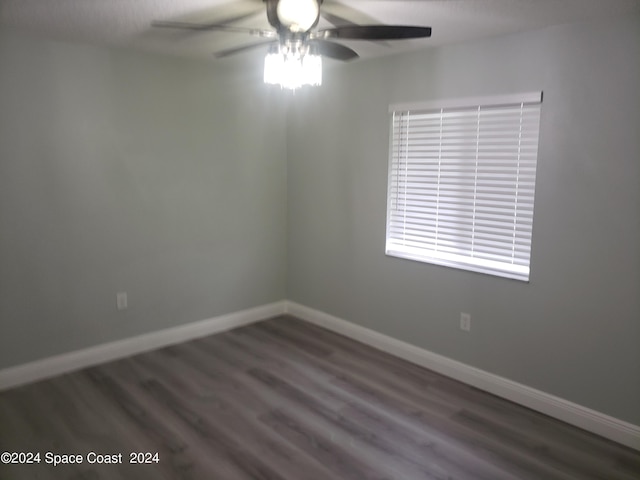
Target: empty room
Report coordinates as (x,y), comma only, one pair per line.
(319,239)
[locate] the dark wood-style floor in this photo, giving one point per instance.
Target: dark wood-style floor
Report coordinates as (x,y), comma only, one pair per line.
(284,400)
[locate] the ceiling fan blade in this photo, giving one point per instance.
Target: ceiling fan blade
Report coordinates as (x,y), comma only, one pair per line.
(375,32)
(272,14)
(335,50)
(340,21)
(212,27)
(340,15)
(238,17)
(243,48)
(337,20)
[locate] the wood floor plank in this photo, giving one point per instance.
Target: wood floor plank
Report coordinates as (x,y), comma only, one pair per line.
(214,436)
(577,463)
(228,412)
(341,461)
(178,459)
(454,457)
(16,435)
(534,423)
(364,387)
(361,411)
(286,400)
(414,463)
(441,428)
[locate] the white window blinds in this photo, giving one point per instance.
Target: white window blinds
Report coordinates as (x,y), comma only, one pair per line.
(462,181)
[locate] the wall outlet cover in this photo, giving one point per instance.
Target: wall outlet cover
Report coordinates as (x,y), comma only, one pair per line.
(465,322)
(121,300)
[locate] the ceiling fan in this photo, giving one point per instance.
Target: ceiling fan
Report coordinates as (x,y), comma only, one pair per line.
(295,45)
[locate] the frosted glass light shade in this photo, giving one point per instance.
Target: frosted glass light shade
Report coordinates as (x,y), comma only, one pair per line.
(297,15)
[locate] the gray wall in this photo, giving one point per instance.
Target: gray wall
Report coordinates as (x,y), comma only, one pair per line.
(123,172)
(574,330)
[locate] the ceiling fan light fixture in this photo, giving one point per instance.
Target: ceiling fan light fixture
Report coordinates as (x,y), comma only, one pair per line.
(296,45)
(298,15)
(292,66)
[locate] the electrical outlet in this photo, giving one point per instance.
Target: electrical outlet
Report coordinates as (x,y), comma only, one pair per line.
(121,300)
(465,322)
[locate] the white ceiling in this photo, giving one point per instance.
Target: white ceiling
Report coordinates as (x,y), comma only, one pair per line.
(127,23)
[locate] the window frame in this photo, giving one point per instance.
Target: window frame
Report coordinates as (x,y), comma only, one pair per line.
(465,261)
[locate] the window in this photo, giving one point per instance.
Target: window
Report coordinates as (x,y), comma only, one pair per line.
(462,181)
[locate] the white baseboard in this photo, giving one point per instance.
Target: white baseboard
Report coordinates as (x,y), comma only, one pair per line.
(569,412)
(68,362)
